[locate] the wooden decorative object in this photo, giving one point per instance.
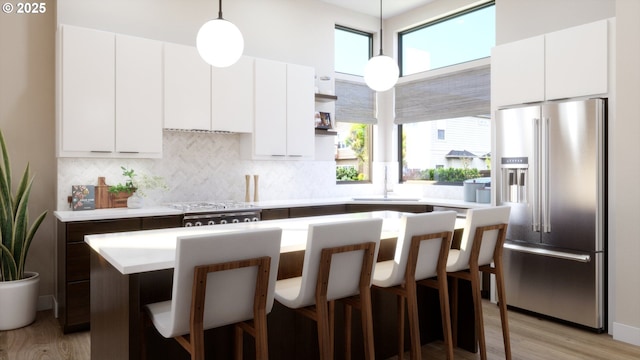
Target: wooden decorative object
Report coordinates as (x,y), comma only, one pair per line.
(119,200)
(102,194)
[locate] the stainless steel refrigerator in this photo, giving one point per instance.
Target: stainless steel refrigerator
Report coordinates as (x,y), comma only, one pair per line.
(552,172)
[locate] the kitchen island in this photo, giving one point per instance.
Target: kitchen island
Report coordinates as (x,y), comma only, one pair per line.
(131,269)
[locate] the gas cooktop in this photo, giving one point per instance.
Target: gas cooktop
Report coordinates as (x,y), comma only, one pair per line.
(212,206)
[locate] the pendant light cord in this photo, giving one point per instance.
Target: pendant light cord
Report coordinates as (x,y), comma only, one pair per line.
(220,10)
(380,27)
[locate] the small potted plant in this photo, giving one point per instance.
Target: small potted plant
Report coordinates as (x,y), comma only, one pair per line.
(18,288)
(131,192)
(119,193)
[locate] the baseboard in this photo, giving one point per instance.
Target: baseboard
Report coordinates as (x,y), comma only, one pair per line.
(626,333)
(45,302)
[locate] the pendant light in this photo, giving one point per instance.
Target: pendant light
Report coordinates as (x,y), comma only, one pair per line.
(219,42)
(381,72)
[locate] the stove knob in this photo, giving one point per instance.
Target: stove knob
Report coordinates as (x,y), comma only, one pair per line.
(211,222)
(235,221)
(198,223)
(188,224)
(247,220)
(223,221)
(255,219)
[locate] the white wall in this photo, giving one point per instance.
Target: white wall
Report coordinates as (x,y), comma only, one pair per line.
(625,228)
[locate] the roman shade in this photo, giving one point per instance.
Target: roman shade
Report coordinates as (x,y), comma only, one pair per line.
(355,103)
(462,93)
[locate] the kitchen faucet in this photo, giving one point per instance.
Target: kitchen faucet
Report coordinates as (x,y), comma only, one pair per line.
(385,182)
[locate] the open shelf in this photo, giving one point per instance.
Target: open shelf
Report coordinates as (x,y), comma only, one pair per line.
(327,132)
(326,97)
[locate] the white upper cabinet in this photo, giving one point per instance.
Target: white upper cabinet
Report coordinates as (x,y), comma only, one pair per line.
(232,96)
(270,122)
(517,72)
(138,95)
(187,89)
(563,64)
(300,111)
(86,117)
(110,95)
(202,97)
(284,111)
(577,61)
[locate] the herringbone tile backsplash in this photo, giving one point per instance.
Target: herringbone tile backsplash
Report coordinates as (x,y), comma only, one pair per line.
(205,166)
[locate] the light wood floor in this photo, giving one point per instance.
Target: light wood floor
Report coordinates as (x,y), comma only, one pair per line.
(531,339)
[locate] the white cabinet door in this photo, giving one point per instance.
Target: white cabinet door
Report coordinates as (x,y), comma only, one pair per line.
(187,89)
(577,61)
(270,121)
(518,72)
(300,111)
(87,111)
(232,98)
(138,95)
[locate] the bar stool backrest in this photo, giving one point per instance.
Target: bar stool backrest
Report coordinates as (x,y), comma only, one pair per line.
(344,276)
(480,217)
(229,294)
(419,224)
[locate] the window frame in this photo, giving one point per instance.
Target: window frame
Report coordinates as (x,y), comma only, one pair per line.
(369,127)
(357,32)
(431,23)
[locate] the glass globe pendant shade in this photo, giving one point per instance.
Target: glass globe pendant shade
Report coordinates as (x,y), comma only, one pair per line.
(381,73)
(220,43)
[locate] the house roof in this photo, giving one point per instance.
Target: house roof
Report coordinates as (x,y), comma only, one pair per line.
(460,154)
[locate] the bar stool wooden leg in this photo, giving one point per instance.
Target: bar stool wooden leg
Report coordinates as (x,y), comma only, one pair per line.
(502,303)
(324,332)
(414,327)
(400,306)
(474,274)
(367,322)
(454,311)
(237,351)
(443,292)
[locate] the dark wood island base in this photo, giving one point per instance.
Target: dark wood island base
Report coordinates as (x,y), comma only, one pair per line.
(117,300)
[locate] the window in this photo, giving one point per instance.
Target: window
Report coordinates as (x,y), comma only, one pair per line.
(455,39)
(444,130)
(353,49)
(354,108)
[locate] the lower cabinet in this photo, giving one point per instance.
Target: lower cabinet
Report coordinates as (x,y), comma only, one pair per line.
(319,210)
(390,207)
(74,264)
(274,214)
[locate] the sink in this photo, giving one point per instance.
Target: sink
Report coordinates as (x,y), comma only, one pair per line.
(382,198)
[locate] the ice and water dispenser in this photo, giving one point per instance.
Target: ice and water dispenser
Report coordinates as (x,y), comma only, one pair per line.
(514,179)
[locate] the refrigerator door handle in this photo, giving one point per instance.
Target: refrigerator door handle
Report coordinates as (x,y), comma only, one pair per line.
(535,210)
(584,258)
(546,217)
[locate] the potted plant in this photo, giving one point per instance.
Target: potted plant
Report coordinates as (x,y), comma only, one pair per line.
(120,192)
(131,192)
(18,288)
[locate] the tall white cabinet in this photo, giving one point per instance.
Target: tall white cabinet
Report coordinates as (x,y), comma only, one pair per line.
(138,95)
(86,91)
(110,95)
(284,109)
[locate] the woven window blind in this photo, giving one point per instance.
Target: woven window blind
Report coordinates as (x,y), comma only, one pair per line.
(463,93)
(355,103)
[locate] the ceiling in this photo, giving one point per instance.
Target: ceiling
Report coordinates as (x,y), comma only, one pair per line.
(390,8)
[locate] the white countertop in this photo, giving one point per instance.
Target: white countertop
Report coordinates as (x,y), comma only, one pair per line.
(119,213)
(150,250)
(114,213)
